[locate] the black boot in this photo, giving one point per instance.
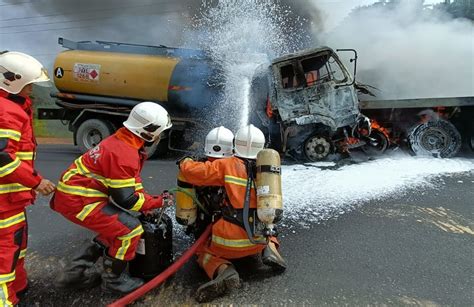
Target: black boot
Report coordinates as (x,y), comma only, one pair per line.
(115,277)
(81,273)
(226,280)
(272,258)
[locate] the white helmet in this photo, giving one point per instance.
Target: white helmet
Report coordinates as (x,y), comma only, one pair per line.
(18,69)
(249,140)
(218,143)
(147,120)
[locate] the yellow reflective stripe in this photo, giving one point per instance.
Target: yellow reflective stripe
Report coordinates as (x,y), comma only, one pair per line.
(79,191)
(25,155)
(22,253)
(120,183)
(83,170)
(126,240)
(10,167)
(87,210)
(12,187)
(10,134)
(7,277)
(236,180)
(4,302)
(232,243)
(206,258)
(138,186)
(13,220)
(139,204)
(69,174)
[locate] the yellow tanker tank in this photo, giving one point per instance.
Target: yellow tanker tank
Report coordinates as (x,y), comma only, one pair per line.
(269,196)
(115,74)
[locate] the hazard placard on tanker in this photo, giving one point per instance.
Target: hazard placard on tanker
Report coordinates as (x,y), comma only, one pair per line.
(89,73)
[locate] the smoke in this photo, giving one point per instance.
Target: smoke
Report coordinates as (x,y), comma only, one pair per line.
(240,35)
(406,50)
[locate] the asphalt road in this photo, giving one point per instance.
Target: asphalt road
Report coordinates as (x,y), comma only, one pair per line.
(412,249)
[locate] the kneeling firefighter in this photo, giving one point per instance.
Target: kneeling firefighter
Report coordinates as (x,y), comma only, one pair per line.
(218,144)
(236,233)
(100,190)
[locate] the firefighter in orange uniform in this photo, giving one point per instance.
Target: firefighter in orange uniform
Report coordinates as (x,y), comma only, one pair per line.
(18,178)
(97,192)
(229,240)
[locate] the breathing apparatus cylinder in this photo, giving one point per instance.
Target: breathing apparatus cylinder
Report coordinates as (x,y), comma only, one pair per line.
(186,208)
(269,196)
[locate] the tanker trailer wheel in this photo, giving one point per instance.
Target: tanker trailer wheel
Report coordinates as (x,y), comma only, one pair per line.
(435,138)
(91,132)
(317,148)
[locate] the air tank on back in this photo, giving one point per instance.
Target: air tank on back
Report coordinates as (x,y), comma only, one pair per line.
(182,80)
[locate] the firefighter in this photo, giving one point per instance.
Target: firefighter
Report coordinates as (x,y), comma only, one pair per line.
(229,240)
(100,190)
(19,181)
(218,144)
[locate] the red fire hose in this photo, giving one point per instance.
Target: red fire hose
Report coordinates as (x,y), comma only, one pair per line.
(155,282)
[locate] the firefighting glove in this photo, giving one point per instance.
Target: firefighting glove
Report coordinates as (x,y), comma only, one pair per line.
(185,158)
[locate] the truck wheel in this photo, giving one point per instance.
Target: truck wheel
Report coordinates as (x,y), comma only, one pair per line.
(91,132)
(317,148)
(438,138)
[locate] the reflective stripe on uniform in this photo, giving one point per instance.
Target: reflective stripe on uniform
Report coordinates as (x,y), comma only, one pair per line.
(138,186)
(7,277)
(206,258)
(4,302)
(236,180)
(126,240)
(10,167)
(10,134)
(139,204)
(81,169)
(87,210)
(12,187)
(25,155)
(22,253)
(79,191)
(13,220)
(239,243)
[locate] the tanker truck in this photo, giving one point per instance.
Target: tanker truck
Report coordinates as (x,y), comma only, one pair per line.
(306,102)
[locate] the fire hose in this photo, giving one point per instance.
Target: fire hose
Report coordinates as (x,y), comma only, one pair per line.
(155,282)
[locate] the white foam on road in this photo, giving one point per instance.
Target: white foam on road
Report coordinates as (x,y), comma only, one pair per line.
(312,193)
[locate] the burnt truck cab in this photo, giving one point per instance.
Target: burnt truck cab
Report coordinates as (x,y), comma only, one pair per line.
(311,106)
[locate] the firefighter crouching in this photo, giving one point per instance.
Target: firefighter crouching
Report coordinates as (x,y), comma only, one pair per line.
(18,178)
(99,190)
(231,238)
(218,144)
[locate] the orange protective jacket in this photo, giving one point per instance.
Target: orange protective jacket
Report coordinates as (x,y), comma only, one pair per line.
(17,153)
(230,173)
(113,166)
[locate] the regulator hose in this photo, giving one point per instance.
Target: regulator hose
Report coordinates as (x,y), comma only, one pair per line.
(155,282)
(178,189)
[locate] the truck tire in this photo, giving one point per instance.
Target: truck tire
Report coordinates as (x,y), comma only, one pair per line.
(437,138)
(91,132)
(317,148)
